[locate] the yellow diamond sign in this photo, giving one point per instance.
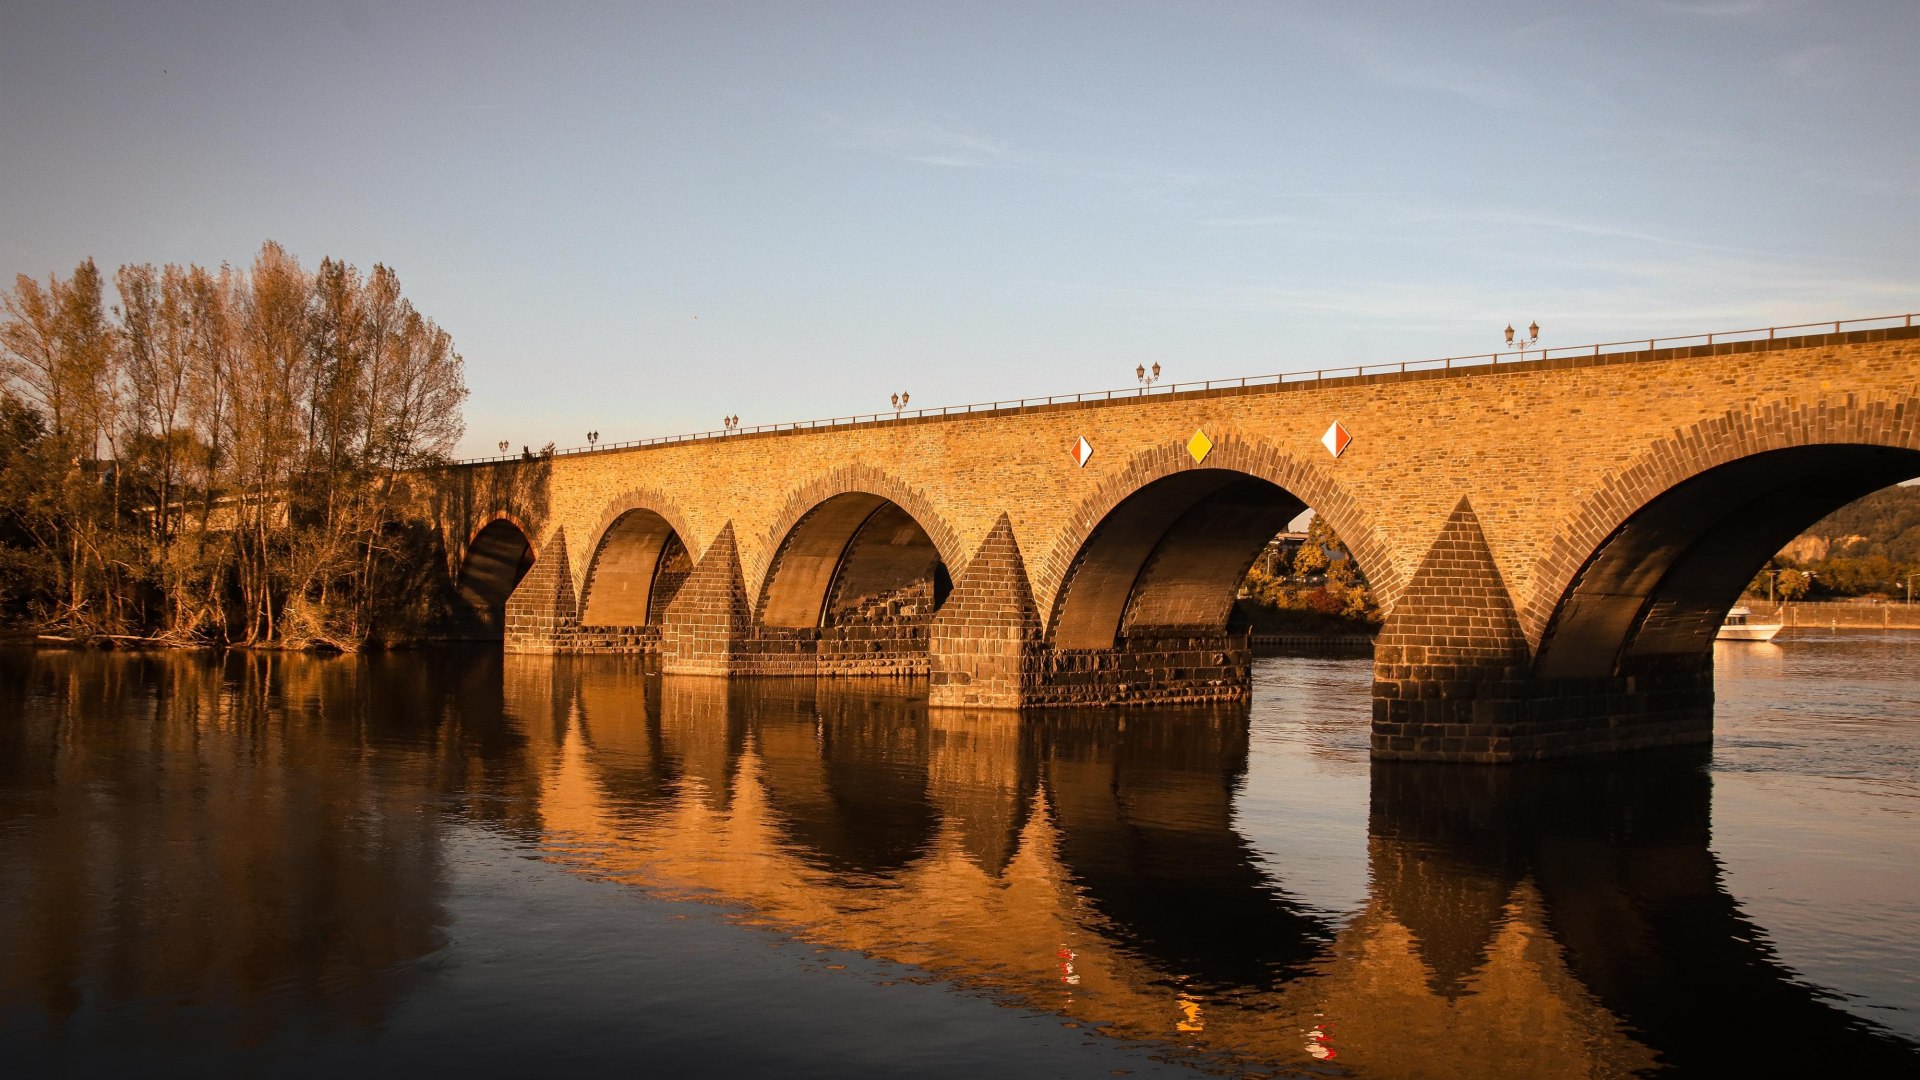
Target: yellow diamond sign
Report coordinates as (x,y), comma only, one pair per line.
(1199,446)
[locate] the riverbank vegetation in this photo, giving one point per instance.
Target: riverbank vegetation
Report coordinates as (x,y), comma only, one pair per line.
(216,456)
(1867,549)
(1307,585)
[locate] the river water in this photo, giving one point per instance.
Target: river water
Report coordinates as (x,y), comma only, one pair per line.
(458,862)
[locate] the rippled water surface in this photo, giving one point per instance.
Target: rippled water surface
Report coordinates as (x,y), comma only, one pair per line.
(458,862)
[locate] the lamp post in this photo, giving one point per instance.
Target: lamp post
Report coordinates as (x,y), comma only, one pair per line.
(503,444)
(1533,336)
(730,423)
(900,402)
(592,438)
(1145,379)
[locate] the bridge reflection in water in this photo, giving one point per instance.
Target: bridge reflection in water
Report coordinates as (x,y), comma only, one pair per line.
(1547,920)
(269,836)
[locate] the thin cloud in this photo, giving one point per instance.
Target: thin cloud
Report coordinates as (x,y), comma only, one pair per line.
(1816,63)
(1676,295)
(921,141)
(1384,212)
(1367,42)
(1456,79)
(1730,9)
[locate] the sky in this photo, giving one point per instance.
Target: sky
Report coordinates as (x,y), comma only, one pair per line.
(638,218)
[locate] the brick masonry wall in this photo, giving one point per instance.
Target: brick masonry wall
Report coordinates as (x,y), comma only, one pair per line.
(1450,664)
(541,612)
(1552,456)
(1154,669)
(1453,679)
(707,620)
(883,633)
(984,643)
(1543,448)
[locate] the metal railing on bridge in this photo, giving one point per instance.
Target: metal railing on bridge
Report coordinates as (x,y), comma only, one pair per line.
(1349,371)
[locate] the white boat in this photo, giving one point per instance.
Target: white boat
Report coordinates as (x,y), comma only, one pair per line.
(1741,627)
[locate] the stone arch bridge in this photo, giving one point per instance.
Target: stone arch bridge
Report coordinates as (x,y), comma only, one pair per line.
(1553,542)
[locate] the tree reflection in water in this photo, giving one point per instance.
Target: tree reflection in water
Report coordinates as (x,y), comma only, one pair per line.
(245,837)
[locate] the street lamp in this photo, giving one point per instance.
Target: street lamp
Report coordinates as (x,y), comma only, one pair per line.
(730,423)
(900,402)
(503,444)
(1146,380)
(1533,335)
(592,437)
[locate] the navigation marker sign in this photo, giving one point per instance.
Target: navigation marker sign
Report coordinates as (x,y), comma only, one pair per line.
(1336,439)
(1199,446)
(1082,452)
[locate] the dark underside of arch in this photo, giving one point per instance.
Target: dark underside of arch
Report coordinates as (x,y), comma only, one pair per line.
(1142,612)
(1657,590)
(497,558)
(852,590)
(637,570)
(1169,559)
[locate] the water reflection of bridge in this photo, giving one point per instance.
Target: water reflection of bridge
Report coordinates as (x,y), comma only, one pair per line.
(1538,921)
(1530,921)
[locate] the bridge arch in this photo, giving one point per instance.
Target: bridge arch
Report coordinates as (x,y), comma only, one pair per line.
(498,555)
(858,564)
(638,559)
(852,479)
(1649,566)
(1165,543)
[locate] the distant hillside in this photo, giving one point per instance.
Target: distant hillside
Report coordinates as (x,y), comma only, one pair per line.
(1885,523)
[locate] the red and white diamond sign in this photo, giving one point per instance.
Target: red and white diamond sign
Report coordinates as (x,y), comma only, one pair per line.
(1082,452)
(1336,439)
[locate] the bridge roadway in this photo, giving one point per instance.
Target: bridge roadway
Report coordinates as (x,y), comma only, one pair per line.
(1553,542)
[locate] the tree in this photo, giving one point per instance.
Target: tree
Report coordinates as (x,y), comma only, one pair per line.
(221,436)
(61,353)
(1321,577)
(32,354)
(29,568)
